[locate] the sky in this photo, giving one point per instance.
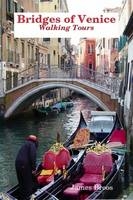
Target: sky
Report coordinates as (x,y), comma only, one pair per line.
(90,6)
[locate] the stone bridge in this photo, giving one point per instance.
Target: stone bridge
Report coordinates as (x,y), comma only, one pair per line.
(19,98)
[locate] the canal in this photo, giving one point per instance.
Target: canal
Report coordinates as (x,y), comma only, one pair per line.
(14,132)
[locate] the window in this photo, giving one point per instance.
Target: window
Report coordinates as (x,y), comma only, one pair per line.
(8,7)
(48,59)
(22,48)
(8,43)
(15,45)
(103,42)
(90,68)
(15,79)
(46,39)
(15,7)
(32,53)
(115,43)
(54,52)
(45,59)
(37,53)
(8,80)
(9,10)
(29,55)
(116,66)
(92,48)
(9,52)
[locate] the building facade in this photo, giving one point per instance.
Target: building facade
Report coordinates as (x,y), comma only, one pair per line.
(19,56)
(128,100)
(59,49)
(126,59)
(87,56)
(107,55)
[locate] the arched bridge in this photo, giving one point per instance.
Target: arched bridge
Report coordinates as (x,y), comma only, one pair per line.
(103,94)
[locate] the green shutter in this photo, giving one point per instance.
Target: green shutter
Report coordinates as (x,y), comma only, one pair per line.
(11,6)
(19,8)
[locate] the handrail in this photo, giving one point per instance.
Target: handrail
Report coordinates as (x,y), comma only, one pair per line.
(104,81)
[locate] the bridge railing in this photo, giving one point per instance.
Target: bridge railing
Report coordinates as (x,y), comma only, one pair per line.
(105,81)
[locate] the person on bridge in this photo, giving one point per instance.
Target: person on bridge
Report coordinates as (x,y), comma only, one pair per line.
(25,164)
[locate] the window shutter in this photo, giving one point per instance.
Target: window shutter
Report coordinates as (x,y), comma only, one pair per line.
(11,6)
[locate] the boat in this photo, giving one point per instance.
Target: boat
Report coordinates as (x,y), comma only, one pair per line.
(99,176)
(76,157)
(62,105)
(55,189)
(54,109)
(102,123)
(42,111)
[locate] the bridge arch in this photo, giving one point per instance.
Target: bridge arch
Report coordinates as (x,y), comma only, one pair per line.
(34,93)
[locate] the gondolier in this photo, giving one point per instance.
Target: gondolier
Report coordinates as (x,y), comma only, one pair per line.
(26,166)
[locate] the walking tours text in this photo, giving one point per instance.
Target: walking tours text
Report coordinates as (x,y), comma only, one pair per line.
(62,23)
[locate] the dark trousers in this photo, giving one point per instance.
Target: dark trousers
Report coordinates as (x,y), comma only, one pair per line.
(25,179)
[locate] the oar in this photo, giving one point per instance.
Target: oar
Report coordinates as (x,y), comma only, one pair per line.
(83,146)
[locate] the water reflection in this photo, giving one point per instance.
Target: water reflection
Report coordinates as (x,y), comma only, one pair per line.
(14,133)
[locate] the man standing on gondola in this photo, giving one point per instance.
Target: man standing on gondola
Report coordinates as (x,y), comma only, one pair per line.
(26,166)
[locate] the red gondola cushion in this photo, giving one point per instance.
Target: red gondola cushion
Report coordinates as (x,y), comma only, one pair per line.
(47,164)
(45,179)
(91,179)
(49,159)
(93,166)
(92,163)
(63,158)
(107,161)
(118,135)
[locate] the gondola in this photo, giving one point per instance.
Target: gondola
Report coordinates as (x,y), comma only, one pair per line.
(102,123)
(54,188)
(62,106)
(77,156)
(52,110)
(99,176)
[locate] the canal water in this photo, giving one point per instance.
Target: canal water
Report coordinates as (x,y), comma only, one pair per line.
(14,132)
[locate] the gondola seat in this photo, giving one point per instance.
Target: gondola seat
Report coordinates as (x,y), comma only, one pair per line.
(95,167)
(53,162)
(63,159)
(48,165)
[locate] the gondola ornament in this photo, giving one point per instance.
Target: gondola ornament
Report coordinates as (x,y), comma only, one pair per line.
(99,149)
